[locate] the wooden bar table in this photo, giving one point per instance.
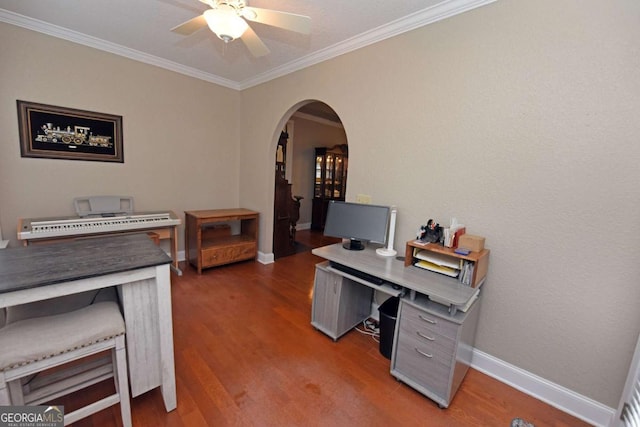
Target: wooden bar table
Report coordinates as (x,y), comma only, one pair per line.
(135,266)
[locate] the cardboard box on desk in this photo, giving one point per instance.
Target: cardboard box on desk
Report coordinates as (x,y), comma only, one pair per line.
(471,242)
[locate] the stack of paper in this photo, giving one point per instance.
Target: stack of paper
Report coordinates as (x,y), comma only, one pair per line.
(438,258)
(437,268)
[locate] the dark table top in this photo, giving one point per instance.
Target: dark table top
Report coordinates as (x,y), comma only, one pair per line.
(41,265)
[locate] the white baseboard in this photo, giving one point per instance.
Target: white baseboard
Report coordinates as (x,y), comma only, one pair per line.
(265,258)
(303,226)
(566,400)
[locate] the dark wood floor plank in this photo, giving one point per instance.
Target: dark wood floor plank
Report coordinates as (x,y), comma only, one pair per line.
(247,355)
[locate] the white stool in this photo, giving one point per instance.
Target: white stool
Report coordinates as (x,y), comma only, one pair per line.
(34,345)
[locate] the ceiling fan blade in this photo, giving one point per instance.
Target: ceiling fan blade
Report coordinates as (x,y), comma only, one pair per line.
(191,26)
(253,43)
(288,21)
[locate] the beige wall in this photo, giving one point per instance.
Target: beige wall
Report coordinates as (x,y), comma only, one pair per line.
(520,119)
(180,134)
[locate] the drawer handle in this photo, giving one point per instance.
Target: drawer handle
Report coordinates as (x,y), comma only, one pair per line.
(433,322)
(422,353)
(420,334)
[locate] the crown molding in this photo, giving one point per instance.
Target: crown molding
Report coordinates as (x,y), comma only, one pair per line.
(96,43)
(424,17)
(419,19)
(316,119)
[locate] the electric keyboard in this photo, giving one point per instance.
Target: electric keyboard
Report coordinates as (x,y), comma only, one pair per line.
(357,273)
(64,227)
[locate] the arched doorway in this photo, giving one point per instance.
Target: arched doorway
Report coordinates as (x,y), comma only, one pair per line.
(313,125)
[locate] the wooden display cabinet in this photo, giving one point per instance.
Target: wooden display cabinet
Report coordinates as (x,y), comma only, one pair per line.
(330,181)
(479,261)
(210,241)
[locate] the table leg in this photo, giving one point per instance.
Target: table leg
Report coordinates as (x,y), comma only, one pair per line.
(168,386)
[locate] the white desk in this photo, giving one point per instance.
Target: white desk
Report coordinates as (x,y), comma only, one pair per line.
(133,264)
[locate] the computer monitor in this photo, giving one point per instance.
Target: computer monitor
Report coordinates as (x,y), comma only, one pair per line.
(357,222)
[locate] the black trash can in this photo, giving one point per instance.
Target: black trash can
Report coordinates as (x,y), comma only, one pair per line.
(388,315)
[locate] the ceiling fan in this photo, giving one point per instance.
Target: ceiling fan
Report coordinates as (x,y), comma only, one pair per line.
(228,20)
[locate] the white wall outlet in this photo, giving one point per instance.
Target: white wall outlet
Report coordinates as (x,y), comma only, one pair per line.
(363,198)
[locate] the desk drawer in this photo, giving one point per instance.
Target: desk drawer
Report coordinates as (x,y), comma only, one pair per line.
(224,255)
(423,347)
(428,367)
(425,350)
(419,320)
(425,338)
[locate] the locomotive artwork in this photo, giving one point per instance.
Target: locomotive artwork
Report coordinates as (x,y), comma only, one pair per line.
(79,135)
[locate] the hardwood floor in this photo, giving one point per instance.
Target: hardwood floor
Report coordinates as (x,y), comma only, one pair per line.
(246,355)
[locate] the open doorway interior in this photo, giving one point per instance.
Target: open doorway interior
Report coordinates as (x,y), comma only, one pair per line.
(317,127)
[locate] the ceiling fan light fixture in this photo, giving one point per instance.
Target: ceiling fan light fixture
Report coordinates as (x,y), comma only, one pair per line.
(225,23)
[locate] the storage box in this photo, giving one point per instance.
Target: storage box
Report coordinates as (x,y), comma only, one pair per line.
(471,242)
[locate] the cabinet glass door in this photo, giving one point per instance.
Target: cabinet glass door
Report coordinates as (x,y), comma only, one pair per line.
(328,176)
(317,184)
(338,188)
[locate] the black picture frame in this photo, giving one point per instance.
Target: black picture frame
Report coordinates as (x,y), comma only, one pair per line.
(49,131)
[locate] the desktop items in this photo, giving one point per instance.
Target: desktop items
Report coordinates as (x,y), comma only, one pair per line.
(432,232)
(389,251)
(471,242)
(453,233)
(469,268)
(360,223)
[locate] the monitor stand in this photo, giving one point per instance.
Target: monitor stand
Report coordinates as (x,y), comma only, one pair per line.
(353,245)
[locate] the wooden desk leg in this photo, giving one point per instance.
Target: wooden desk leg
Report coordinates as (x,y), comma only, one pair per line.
(168,386)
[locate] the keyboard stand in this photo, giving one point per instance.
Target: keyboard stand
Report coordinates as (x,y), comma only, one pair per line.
(366,279)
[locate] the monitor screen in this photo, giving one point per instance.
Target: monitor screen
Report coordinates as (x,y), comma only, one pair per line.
(357,222)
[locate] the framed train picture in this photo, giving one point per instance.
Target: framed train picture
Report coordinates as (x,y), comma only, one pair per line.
(48,131)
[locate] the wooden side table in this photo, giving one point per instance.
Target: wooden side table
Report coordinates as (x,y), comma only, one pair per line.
(209,240)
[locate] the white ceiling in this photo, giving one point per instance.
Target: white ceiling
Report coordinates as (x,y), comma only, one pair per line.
(140,29)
